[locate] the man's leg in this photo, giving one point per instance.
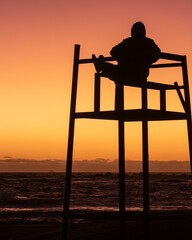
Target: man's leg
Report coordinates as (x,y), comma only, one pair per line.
(106,69)
(98,62)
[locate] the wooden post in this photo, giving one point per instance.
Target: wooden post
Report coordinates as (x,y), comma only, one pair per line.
(122,179)
(145,164)
(70,145)
(97,93)
(180,96)
(119,98)
(119,107)
(162,100)
(188,106)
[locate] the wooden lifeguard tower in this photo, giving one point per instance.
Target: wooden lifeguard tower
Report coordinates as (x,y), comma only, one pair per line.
(143,115)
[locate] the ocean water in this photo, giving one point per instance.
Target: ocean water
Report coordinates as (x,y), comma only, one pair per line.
(38,197)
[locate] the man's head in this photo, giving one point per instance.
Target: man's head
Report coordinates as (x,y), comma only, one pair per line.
(138,30)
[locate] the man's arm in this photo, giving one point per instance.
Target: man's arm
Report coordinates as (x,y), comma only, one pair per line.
(115,51)
(153,52)
(118,51)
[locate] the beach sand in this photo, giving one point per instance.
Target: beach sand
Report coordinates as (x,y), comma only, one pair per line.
(176,229)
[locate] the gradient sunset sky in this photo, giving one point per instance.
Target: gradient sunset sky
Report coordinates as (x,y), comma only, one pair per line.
(36,47)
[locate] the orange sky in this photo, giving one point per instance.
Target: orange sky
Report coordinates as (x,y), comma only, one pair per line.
(37,40)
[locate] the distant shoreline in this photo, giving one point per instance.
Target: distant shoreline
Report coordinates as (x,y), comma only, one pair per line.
(48,172)
(98,165)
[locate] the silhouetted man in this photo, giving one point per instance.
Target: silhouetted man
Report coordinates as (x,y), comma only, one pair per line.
(134,56)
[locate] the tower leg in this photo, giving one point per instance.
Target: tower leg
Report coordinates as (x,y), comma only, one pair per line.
(70,145)
(188,106)
(122,179)
(145,180)
(68,182)
(145,166)
(189,128)
(119,107)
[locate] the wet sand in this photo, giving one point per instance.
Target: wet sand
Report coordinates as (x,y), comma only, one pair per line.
(176,229)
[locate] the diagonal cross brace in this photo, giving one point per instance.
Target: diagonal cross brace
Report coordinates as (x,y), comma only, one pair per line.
(180,96)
